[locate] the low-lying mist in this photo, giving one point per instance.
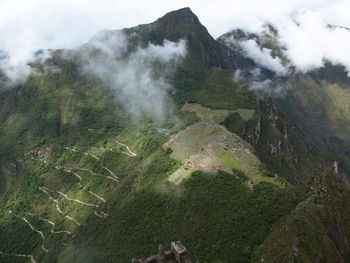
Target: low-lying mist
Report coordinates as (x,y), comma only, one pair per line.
(138,78)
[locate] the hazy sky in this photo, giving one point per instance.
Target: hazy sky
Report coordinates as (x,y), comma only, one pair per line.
(28,25)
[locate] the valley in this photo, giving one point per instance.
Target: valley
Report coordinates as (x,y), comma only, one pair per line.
(102,169)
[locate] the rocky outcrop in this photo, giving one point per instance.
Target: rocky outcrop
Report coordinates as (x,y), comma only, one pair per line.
(177,254)
(317,230)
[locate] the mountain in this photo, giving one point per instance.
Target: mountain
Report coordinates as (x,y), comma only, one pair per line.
(315,102)
(184,24)
(144,136)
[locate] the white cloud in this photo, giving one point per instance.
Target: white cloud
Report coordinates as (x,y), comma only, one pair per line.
(26,26)
(310,41)
(263,57)
(138,88)
(30,25)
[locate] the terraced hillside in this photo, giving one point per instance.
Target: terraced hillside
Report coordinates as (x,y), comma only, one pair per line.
(83,180)
(208,146)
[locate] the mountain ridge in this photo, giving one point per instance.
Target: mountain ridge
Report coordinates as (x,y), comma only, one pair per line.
(72,156)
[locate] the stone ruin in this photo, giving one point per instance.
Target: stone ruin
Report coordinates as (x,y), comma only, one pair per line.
(177,254)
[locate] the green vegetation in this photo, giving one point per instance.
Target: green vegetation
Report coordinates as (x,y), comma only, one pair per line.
(229,160)
(226,176)
(76,119)
(235,123)
(219,91)
(315,230)
(213,216)
(209,147)
(143,207)
(318,106)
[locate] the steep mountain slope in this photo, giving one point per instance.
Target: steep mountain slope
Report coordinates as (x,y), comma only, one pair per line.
(183,24)
(323,98)
(316,231)
(316,102)
(83,180)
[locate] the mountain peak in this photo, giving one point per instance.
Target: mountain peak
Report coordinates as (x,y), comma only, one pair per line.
(184,14)
(184,24)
